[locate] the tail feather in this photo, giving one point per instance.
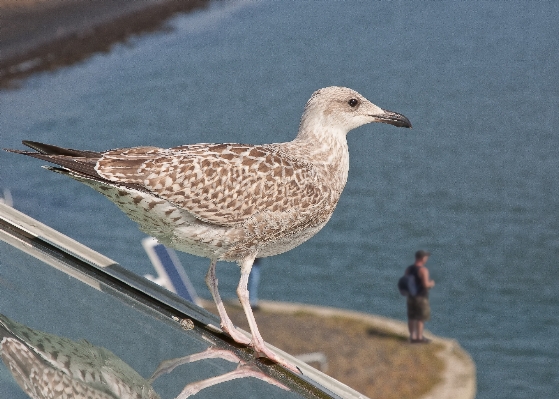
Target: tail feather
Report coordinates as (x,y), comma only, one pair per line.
(48,149)
(81,165)
(72,162)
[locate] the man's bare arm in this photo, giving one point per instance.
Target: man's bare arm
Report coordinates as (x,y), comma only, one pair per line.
(424,274)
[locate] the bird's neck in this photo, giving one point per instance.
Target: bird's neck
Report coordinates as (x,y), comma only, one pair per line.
(327,151)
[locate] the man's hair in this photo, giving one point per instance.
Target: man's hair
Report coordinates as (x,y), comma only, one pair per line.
(421,254)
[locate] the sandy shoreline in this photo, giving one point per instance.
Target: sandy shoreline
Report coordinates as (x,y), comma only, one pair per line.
(38,35)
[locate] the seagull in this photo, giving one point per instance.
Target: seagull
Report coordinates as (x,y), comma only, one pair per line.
(232,202)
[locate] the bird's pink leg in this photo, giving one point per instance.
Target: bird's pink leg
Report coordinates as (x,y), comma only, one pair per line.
(257,342)
(226,323)
(242,371)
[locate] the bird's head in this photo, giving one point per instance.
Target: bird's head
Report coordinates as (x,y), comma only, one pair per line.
(339,109)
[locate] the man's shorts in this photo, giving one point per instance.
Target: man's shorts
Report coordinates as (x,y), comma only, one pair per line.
(418,308)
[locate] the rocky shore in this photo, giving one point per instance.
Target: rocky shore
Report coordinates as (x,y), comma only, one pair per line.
(39,35)
(370,354)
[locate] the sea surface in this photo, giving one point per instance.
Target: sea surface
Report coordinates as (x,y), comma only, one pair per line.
(476,181)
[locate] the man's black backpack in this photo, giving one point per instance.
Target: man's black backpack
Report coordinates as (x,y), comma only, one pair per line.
(407,285)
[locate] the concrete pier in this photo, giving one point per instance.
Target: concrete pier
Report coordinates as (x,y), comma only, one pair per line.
(456,380)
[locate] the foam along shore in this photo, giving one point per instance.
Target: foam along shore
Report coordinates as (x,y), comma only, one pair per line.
(39,35)
(369,353)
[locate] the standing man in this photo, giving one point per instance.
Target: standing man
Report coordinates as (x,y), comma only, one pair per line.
(418,306)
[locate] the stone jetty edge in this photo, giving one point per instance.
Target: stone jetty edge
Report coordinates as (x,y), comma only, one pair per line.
(458,380)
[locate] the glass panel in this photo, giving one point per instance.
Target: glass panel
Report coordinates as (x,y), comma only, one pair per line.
(96,335)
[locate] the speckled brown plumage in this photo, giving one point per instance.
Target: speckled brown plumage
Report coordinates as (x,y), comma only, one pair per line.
(232,202)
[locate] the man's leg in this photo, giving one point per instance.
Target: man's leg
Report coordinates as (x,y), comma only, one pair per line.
(415,330)
(420,324)
(411,321)
(253,280)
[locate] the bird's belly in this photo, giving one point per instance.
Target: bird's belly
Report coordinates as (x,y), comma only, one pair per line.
(182,231)
(202,239)
(161,219)
(288,242)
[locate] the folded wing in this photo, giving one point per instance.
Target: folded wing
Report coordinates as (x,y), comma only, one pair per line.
(224,184)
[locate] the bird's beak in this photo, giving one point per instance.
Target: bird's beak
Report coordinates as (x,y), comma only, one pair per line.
(392,118)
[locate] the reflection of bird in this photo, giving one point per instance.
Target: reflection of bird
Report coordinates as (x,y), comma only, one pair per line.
(48,366)
(232,202)
(243,370)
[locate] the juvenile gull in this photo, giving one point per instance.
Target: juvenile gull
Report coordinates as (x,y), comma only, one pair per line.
(232,202)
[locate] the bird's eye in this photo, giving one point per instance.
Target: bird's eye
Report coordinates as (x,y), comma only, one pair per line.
(353,102)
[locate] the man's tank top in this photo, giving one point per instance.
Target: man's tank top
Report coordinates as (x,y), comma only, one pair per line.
(421,289)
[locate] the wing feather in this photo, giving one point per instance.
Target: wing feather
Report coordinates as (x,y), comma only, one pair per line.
(224,184)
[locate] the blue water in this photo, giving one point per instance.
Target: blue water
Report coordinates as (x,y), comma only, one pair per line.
(475,181)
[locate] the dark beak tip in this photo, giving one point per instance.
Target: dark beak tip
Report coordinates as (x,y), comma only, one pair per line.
(394,118)
(405,122)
